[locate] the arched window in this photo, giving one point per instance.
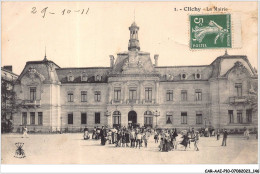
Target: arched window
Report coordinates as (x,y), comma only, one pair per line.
(116,118)
(148,119)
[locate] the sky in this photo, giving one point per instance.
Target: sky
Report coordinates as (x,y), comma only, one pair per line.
(73,39)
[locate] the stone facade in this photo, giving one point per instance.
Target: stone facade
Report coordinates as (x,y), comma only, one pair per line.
(135,91)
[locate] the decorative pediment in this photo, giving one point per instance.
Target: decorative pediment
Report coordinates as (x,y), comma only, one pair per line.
(32,73)
(238,69)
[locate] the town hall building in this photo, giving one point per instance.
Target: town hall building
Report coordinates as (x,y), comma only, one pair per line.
(134,91)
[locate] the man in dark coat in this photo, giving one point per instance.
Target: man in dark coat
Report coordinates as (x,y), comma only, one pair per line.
(224,142)
(127,136)
(103,135)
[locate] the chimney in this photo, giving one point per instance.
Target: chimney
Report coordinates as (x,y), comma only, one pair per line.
(156,59)
(8,68)
(111,61)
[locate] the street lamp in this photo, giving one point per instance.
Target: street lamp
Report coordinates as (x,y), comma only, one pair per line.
(60,125)
(156,114)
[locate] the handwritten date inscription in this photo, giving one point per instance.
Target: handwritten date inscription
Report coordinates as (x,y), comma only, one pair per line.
(46,11)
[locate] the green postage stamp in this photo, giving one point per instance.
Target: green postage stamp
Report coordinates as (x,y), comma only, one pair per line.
(210,31)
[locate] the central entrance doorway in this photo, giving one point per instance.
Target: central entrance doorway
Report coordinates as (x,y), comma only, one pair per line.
(132,118)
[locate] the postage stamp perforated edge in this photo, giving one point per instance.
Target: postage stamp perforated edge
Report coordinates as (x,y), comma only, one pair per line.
(231,36)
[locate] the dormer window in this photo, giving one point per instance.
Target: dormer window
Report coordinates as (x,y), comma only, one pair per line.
(197,76)
(98,78)
(183,76)
(84,77)
(70,77)
(169,77)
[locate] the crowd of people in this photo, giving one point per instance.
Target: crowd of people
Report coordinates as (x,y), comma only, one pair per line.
(167,139)
(121,137)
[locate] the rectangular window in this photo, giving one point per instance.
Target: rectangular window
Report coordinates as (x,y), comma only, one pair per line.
(198,94)
(198,117)
(239,116)
(97,117)
(249,115)
(231,116)
(32,118)
(183,117)
(117,94)
(24,118)
(148,94)
(33,93)
(39,118)
(83,118)
(169,118)
(132,94)
(97,96)
(70,97)
(184,95)
(238,87)
(83,96)
(169,95)
(70,118)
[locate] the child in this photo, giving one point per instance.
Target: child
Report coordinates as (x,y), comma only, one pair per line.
(109,136)
(123,139)
(161,145)
(218,134)
(156,137)
(86,134)
(25,130)
(246,134)
(145,138)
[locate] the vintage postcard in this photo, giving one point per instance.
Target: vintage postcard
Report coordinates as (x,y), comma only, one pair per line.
(129,83)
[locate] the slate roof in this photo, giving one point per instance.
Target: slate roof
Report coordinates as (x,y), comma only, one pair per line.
(204,70)
(91,72)
(45,68)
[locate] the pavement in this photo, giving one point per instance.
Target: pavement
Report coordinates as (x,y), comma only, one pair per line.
(72,149)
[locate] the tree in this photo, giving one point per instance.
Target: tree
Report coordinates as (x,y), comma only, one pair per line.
(253,96)
(9,105)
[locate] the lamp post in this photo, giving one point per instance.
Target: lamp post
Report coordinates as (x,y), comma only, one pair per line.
(156,114)
(60,125)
